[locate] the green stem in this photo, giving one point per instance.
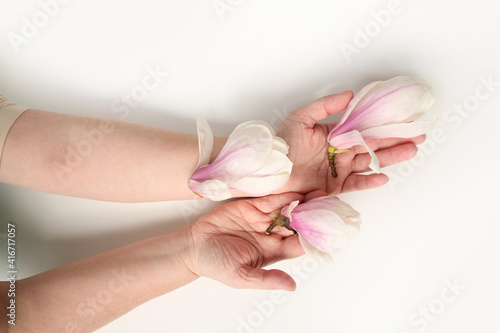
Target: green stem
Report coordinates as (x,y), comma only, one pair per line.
(332,153)
(281,221)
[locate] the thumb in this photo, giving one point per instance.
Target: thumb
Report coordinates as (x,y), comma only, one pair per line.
(325,106)
(336,103)
(257,278)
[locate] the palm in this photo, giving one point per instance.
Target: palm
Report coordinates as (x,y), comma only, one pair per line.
(308,147)
(231,245)
(308,151)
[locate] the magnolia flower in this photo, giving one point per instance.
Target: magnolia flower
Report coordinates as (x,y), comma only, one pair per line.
(323,224)
(253,160)
(382,109)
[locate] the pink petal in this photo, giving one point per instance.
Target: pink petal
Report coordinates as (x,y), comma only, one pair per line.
(401,99)
(345,211)
(354,102)
(322,228)
(322,257)
(246,151)
(325,202)
(351,139)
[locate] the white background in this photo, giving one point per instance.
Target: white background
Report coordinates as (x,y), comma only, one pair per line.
(432,226)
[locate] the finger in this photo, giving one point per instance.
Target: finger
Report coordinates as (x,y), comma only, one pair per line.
(386,157)
(257,278)
(356,182)
(314,194)
(376,144)
(272,203)
(290,248)
(323,107)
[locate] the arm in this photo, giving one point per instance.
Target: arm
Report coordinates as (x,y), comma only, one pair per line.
(87,294)
(228,244)
(100,159)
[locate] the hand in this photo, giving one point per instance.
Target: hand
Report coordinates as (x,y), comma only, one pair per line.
(308,151)
(230,245)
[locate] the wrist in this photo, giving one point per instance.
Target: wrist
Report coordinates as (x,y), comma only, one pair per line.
(185,250)
(168,259)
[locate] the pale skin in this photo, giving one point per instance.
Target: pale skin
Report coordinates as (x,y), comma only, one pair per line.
(226,244)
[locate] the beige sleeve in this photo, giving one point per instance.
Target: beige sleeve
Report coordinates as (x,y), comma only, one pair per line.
(9,112)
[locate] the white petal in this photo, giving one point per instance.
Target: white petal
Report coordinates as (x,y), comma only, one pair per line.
(277,162)
(246,151)
(205,141)
(404,130)
(212,189)
(280,145)
(287,211)
(256,122)
(400,99)
(351,139)
(320,256)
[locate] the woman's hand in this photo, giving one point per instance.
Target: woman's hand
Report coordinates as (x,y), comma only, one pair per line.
(308,151)
(230,245)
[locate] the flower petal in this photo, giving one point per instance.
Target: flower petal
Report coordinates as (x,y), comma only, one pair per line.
(322,228)
(257,130)
(404,130)
(247,150)
(400,99)
(325,202)
(355,101)
(322,257)
(287,211)
(277,162)
(280,145)
(212,189)
(205,141)
(345,211)
(351,139)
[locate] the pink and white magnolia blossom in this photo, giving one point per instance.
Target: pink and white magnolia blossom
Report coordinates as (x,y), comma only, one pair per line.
(383,109)
(253,160)
(323,224)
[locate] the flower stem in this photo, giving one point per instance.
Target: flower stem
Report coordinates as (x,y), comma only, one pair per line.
(281,221)
(332,152)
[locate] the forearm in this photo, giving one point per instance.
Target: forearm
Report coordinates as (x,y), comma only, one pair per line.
(100,159)
(84,295)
